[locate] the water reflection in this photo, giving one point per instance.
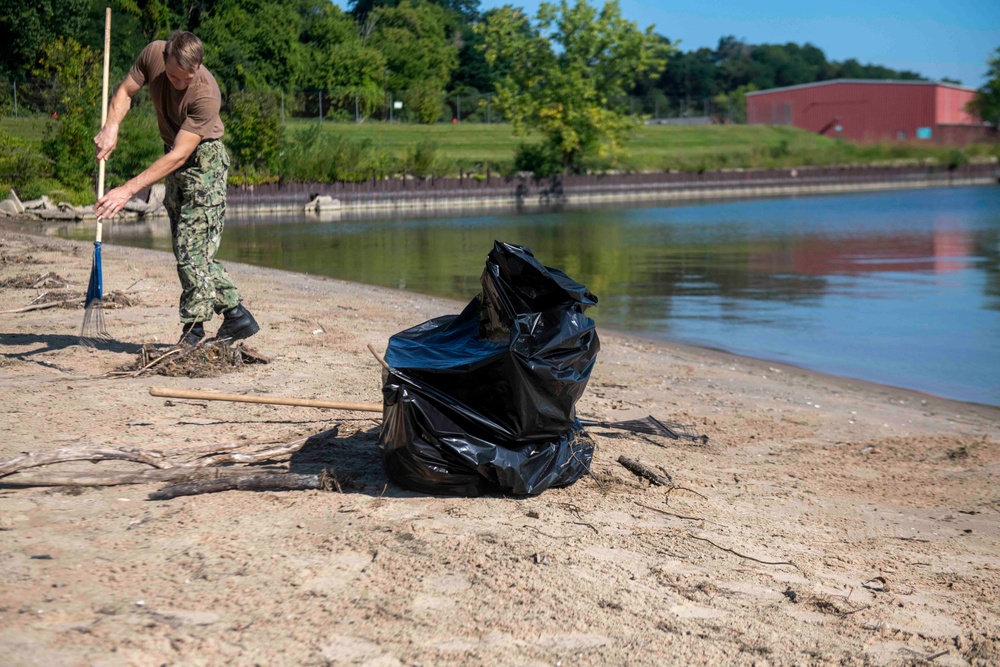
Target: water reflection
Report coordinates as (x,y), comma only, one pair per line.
(900,287)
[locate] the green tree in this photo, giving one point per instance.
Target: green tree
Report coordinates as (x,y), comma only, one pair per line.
(75,71)
(419,52)
(254,131)
(567,75)
(467,9)
(986,104)
(27,27)
(252,44)
(732,107)
(334,57)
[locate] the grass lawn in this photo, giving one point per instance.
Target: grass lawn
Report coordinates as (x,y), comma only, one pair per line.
(651,148)
(464,142)
(29,128)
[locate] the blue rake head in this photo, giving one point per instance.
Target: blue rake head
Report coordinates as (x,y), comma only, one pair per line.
(95,290)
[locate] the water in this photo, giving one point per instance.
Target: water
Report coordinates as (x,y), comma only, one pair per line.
(901,288)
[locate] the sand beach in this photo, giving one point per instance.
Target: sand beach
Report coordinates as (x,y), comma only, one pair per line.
(826,521)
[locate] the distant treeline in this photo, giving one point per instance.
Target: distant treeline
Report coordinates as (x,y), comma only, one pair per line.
(423,53)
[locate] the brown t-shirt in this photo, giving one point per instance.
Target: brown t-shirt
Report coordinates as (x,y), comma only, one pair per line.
(194,109)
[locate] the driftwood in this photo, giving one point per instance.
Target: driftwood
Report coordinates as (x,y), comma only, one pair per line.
(43,306)
(205,465)
(124,478)
(646,472)
(275,482)
(62,455)
(270,454)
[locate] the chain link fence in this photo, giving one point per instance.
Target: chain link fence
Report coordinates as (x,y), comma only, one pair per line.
(33,97)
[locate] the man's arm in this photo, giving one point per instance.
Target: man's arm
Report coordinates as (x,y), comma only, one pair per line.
(107,138)
(115,200)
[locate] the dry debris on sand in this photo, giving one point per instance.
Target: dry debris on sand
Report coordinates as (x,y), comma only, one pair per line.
(827,521)
(208,359)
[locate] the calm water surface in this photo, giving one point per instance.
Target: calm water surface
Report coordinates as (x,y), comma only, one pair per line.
(901,288)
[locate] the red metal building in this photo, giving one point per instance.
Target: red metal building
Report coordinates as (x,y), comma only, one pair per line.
(872,111)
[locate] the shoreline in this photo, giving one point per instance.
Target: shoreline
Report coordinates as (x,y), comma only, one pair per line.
(55,227)
(827,520)
(373,199)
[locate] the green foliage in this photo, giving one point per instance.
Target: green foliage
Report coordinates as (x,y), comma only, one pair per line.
(540,159)
(252,43)
(565,74)
(986,104)
(425,102)
(693,78)
(254,131)
(466,10)
(27,27)
(139,145)
(422,159)
(313,155)
(420,57)
(732,107)
(76,73)
(955,158)
(20,165)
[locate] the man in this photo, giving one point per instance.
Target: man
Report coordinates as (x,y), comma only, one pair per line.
(187,101)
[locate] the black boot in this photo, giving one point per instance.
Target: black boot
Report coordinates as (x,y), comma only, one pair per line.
(192,334)
(238,324)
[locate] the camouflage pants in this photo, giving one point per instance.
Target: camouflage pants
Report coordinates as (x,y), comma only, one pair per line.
(196,204)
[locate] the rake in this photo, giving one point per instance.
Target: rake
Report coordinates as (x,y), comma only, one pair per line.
(94,329)
(649,425)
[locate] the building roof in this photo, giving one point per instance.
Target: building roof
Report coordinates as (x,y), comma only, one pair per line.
(893,82)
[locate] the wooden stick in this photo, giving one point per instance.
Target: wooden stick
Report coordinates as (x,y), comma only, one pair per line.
(273,452)
(267,400)
(40,306)
(178,474)
(281,482)
(378,358)
(63,455)
(157,360)
(736,553)
(645,472)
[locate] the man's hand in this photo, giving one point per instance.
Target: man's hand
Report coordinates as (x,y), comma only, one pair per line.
(184,145)
(113,201)
(121,102)
(106,140)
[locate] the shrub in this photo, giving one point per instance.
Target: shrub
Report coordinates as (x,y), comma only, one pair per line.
(254,130)
(21,166)
(139,145)
(543,160)
(68,142)
(422,159)
(313,155)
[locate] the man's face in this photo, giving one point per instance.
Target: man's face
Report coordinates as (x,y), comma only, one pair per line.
(179,78)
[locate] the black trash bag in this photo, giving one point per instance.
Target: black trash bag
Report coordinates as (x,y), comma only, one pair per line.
(485,400)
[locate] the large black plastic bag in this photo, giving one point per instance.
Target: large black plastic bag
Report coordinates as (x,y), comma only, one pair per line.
(484,401)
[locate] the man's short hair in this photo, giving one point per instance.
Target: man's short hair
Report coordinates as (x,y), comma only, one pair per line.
(186,49)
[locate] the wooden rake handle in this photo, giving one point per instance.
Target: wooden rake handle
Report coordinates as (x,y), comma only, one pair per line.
(268,400)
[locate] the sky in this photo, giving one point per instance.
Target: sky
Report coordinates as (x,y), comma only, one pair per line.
(935,38)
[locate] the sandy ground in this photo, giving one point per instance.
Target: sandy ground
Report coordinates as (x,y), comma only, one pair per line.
(885,502)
